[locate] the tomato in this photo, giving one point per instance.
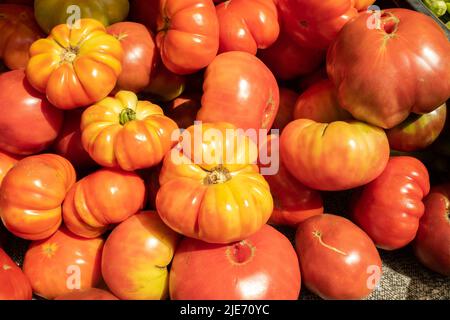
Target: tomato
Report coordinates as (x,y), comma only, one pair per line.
(285,113)
(140,55)
(102,199)
(287,60)
(220,195)
(188,34)
(127,133)
(75,67)
(183,110)
(165,85)
(14,285)
(363,4)
(31,110)
(311,78)
(319,103)
(247,25)
(7,161)
(337,259)
(432,242)
(145,12)
(417,131)
(389,208)
(136,256)
(334,156)
(241,90)
(63,263)
(315,24)
(18,30)
(50,13)
(402,67)
(261,267)
(32,193)
(89,294)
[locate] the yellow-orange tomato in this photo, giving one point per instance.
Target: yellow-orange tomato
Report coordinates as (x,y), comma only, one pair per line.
(210,189)
(127,133)
(7,161)
(32,193)
(75,67)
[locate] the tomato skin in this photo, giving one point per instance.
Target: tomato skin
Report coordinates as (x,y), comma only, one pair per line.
(7,162)
(335,156)
(247,25)
(266,260)
(431,245)
(389,208)
(48,261)
(183,110)
(363,4)
(14,285)
(418,131)
(67,67)
(241,90)
(32,193)
(165,85)
(188,39)
(411,73)
(285,113)
(337,259)
(133,269)
(89,294)
(31,109)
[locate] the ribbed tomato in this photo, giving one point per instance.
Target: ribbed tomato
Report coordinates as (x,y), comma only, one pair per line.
(14,285)
(7,161)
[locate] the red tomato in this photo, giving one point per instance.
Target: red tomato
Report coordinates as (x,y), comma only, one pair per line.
(63,263)
(363,4)
(183,110)
(31,111)
(247,25)
(337,259)
(262,267)
(145,12)
(89,294)
(188,34)
(402,67)
(432,243)
(315,24)
(140,55)
(7,161)
(241,90)
(389,208)
(14,285)
(136,257)
(285,113)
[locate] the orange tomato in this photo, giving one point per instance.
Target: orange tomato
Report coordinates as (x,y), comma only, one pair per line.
(14,285)
(89,294)
(7,161)
(32,193)
(75,67)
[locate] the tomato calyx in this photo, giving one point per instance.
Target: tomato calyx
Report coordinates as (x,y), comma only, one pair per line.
(217,175)
(318,235)
(127,115)
(121,36)
(49,249)
(69,55)
(389,24)
(240,253)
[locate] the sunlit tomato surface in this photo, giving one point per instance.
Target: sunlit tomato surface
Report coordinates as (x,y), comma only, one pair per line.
(183,110)
(210,189)
(315,24)
(389,208)
(261,267)
(7,161)
(75,67)
(136,256)
(140,55)
(31,111)
(123,132)
(50,13)
(247,25)
(188,34)
(32,193)
(432,243)
(14,285)
(334,156)
(285,113)
(145,12)
(337,259)
(63,263)
(18,30)
(417,131)
(383,74)
(102,199)
(241,90)
(89,294)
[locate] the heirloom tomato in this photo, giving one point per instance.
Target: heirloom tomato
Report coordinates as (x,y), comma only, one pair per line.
(241,90)
(14,285)
(127,133)
(32,193)
(261,267)
(63,263)
(389,208)
(75,67)
(136,256)
(28,122)
(89,294)
(399,66)
(210,187)
(7,161)
(334,156)
(145,12)
(165,85)
(188,34)
(285,113)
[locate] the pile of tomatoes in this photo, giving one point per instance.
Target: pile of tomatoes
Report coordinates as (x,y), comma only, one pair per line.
(98,100)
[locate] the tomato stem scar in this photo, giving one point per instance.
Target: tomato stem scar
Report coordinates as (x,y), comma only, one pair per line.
(318,235)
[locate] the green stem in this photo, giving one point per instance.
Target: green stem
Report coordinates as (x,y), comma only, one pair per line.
(127,115)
